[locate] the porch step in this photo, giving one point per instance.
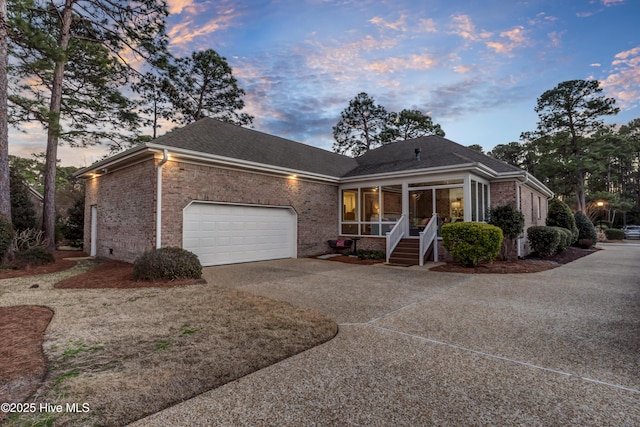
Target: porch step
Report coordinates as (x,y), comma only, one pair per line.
(406,252)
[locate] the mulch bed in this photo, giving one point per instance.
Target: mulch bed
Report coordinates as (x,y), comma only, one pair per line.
(355,260)
(32,270)
(528,265)
(22,361)
(531,264)
(116,274)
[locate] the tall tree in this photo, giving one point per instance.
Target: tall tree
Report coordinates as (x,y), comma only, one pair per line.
(361,126)
(409,124)
(5,191)
(202,85)
(569,115)
(74,51)
(154,90)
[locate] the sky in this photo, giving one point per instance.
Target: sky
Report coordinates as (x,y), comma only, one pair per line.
(476,67)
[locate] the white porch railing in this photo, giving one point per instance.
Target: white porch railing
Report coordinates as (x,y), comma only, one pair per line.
(396,234)
(427,236)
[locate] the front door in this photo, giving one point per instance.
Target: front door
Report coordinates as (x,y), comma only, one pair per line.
(420,210)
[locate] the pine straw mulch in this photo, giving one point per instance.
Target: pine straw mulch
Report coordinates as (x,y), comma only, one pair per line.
(22,362)
(120,276)
(530,264)
(527,265)
(63,261)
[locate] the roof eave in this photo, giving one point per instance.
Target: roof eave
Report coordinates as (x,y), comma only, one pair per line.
(199,156)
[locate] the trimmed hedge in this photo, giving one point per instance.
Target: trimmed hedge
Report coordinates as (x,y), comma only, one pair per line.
(560,215)
(544,240)
(587,236)
(472,242)
(614,234)
(566,238)
(169,263)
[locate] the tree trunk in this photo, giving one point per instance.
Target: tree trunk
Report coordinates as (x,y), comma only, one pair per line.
(5,191)
(53,130)
(580,193)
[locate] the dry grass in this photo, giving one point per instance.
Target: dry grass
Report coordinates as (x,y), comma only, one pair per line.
(132,352)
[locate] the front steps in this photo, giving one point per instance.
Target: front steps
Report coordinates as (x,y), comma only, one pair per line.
(407,253)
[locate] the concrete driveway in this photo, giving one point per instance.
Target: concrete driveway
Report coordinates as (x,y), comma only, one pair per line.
(415,347)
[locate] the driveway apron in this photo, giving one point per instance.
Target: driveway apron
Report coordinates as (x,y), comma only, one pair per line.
(416,347)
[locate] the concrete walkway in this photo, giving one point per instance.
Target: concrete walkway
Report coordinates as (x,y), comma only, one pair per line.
(415,347)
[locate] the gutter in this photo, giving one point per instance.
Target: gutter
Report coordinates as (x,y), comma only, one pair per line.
(165,158)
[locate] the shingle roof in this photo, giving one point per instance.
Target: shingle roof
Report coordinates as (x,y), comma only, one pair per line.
(223,139)
(435,151)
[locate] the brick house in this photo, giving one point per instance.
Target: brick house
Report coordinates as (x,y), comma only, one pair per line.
(231,194)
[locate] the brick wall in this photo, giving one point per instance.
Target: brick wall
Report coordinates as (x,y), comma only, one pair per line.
(125,201)
(315,203)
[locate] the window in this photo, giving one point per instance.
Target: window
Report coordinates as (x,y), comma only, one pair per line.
(479,201)
(349,212)
(370,211)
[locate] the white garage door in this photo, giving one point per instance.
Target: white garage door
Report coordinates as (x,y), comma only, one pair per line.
(228,234)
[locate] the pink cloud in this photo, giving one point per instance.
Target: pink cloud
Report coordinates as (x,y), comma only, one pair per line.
(463,27)
(177,6)
(624,81)
(186,31)
(516,38)
(399,25)
(391,65)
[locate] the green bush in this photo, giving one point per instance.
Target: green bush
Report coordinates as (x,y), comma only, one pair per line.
(614,234)
(560,215)
(566,239)
(587,236)
(511,222)
(35,255)
(509,219)
(544,240)
(23,214)
(366,254)
(472,242)
(167,264)
(6,236)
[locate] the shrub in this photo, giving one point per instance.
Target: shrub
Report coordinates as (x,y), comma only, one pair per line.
(23,214)
(544,240)
(6,236)
(73,227)
(511,222)
(366,254)
(586,230)
(566,239)
(35,255)
(560,215)
(471,242)
(167,264)
(614,234)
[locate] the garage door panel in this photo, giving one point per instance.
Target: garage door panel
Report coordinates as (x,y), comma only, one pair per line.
(225,234)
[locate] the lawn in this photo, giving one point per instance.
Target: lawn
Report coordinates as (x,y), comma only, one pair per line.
(129,352)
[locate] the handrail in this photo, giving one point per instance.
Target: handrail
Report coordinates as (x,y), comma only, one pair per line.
(396,234)
(427,236)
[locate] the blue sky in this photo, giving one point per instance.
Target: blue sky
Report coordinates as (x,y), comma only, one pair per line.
(476,68)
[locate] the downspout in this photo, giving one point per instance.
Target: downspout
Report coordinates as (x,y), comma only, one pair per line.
(518,193)
(165,157)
